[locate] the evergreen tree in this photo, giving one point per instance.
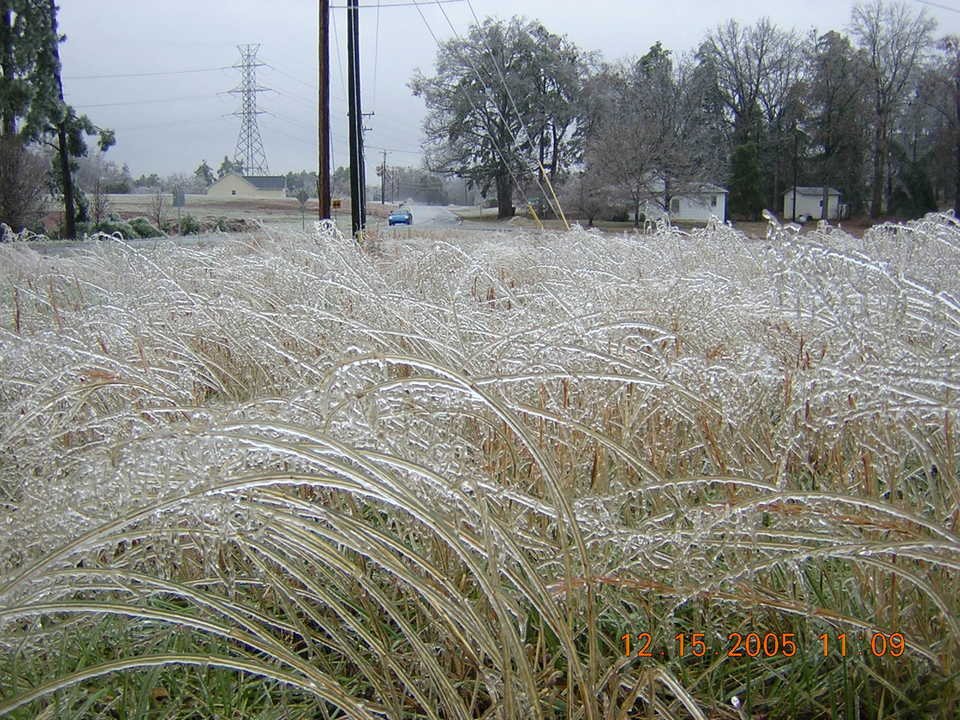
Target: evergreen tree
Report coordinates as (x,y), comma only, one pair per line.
(32,108)
(746,194)
(227,167)
(205,174)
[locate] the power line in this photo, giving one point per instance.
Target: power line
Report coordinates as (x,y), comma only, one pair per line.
(396,150)
(376,61)
(336,41)
(147,102)
(144,74)
(938,5)
(172,123)
(393,4)
(312,86)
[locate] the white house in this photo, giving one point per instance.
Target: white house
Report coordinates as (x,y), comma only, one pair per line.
(249,186)
(694,202)
(810,203)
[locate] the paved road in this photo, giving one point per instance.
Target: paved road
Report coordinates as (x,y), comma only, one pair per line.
(430,217)
(435,217)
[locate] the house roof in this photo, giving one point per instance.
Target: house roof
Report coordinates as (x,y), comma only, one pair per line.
(698,188)
(267,182)
(689,188)
(812,191)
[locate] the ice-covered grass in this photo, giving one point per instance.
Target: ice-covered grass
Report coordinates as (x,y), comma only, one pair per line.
(444,480)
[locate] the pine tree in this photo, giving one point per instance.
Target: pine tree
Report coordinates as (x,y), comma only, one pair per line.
(205,174)
(32,108)
(746,196)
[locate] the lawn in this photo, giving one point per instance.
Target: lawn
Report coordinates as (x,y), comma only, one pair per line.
(488,475)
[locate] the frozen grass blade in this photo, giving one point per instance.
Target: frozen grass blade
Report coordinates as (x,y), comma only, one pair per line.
(446,482)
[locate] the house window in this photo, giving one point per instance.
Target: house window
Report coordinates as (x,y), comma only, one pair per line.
(713,201)
(675,205)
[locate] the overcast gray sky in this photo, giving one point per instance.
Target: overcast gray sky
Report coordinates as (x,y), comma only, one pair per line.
(168,123)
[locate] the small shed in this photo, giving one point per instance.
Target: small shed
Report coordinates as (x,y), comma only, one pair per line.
(810,203)
(249,186)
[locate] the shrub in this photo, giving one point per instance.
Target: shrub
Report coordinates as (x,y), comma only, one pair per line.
(189,225)
(23,184)
(112,227)
(144,228)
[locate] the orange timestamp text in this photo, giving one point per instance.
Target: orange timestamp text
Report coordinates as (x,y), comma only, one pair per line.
(753,644)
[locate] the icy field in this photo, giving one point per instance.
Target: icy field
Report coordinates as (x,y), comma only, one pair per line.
(446,480)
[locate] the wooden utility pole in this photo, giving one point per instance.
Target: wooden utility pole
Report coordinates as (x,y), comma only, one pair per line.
(357,203)
(323,126)
(383,178)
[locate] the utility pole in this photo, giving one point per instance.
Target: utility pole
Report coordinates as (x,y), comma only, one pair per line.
(357,191)
(795,153)
(383,178)
(323,126)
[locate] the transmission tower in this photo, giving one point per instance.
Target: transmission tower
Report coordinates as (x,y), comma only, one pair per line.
(249,155)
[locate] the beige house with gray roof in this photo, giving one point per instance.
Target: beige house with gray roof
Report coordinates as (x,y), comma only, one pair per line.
(249,186)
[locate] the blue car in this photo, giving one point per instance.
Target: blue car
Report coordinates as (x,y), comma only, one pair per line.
(400,216)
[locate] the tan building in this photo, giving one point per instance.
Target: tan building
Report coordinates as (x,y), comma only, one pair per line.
(250,186)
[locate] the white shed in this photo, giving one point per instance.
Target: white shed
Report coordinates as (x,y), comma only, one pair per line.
(696,202)
(810,203)
(249,186)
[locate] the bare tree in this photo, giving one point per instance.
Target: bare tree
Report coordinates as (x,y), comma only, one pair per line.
(655,138)
(101,203)
(940,90)
(156,209)
(754,69)
(587,195)
(23,184)
(757,74)
(836,108)
(893,37)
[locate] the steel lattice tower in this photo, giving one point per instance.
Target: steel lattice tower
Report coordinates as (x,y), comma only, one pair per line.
(249,154)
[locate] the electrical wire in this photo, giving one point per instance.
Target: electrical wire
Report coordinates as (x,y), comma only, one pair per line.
(172,123)
(393,4)
(396,150)
(336,41)
(376,61)
(149,102)
(938,5)
(270,65)
(146,74)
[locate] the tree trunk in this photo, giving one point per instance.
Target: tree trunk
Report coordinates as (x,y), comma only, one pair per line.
(70,216)
(667,198)
(8,123)
(956,187)
(70,219)
(504,195)
(956,139)
(555,160)
(879,167)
